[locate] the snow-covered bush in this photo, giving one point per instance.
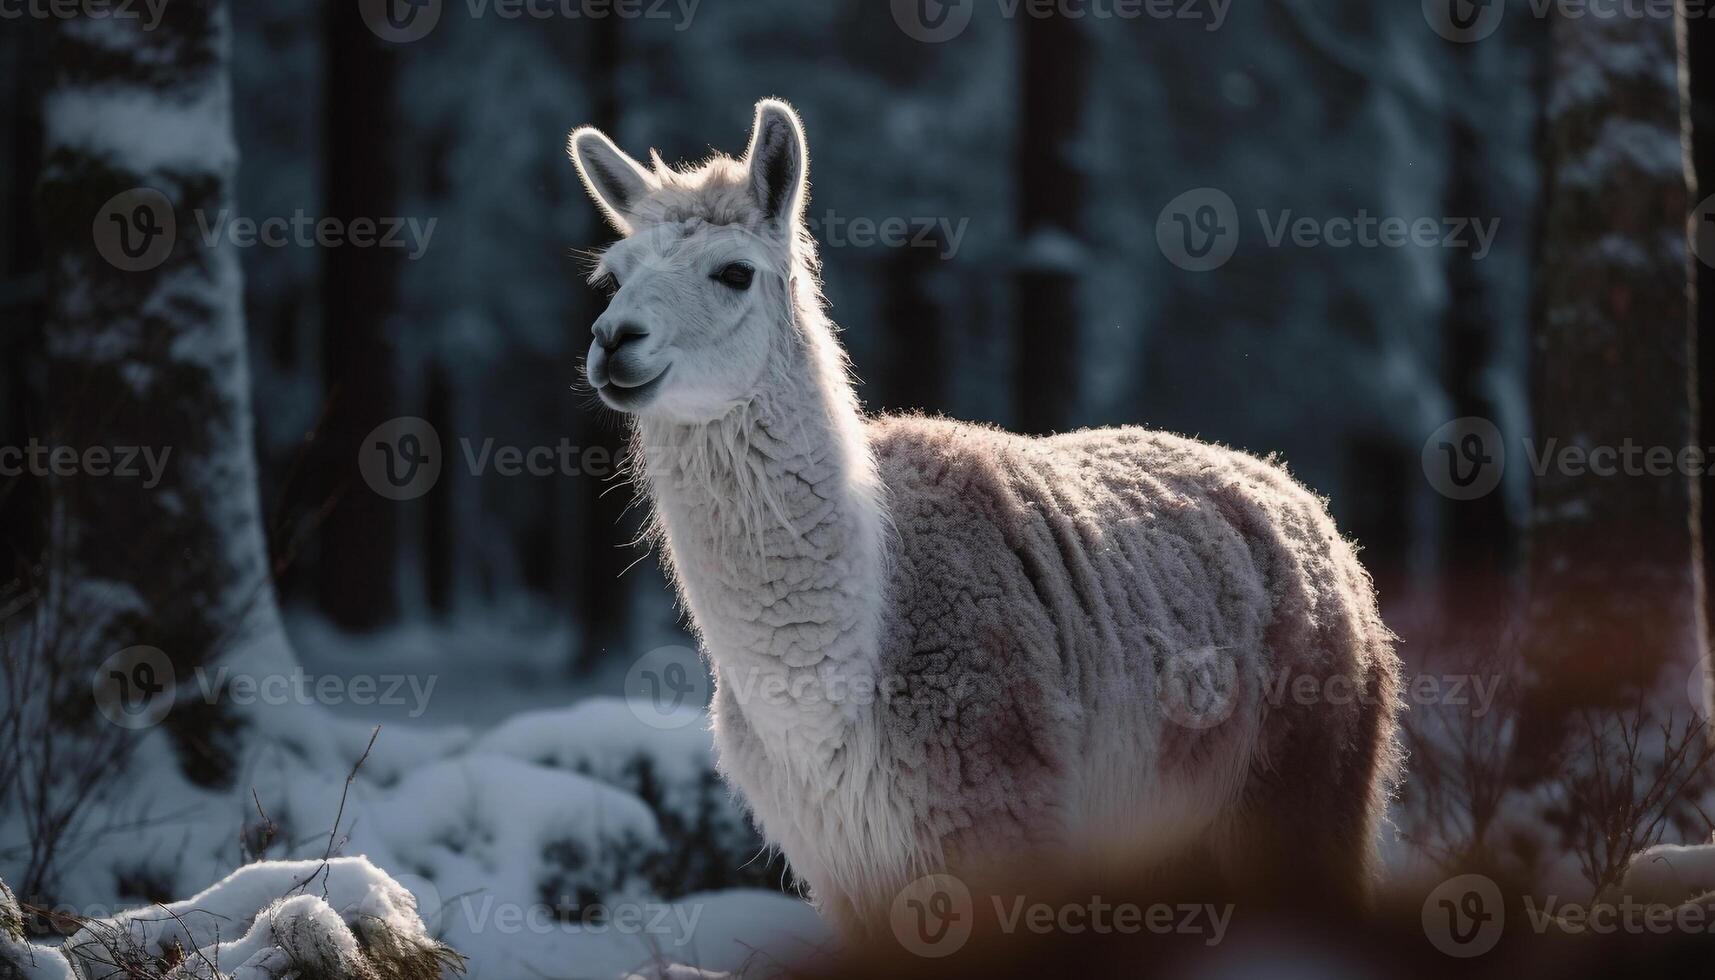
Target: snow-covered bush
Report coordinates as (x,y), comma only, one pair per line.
(708,841)
(341,919)
(20,959)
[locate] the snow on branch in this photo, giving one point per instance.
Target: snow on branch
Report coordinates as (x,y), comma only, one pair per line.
(249,926)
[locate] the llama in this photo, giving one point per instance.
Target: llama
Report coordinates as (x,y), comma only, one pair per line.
(941,647)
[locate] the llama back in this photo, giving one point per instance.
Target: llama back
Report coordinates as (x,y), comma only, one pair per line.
(1096,628)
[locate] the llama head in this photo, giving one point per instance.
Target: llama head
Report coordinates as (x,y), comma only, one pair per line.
(709,277)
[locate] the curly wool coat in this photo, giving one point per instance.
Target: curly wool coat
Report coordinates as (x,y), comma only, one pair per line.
(942,647)
(1103,644)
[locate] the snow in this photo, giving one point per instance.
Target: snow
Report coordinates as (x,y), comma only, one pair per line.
(252,896)
(1670,874)
(576,839)
(142,131)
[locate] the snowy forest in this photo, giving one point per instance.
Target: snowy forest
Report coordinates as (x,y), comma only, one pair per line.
(336,635)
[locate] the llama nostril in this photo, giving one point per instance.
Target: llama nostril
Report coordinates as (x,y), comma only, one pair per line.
(612,338)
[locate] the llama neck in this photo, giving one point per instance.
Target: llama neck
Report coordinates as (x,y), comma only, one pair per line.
(773,523)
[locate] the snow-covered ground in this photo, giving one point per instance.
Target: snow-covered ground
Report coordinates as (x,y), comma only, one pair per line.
(542,828)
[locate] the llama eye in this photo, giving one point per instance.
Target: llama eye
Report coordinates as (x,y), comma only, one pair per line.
(608,284)
(736,275)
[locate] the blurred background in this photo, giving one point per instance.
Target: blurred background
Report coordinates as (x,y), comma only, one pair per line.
(987,206)
(1183,215)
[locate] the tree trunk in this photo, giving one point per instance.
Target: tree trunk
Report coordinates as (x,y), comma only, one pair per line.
(1610,563)
(1050,198)
(20,296)
(598,594)
(1700,52)
(145,348)
(357,557)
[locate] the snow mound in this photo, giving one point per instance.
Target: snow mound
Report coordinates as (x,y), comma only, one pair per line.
(341,919)
(1671,874)
(19,958)
(709,841)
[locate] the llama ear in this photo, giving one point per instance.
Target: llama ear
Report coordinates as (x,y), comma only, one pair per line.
(778,160)
(615,180)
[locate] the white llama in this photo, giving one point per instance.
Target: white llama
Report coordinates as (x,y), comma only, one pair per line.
(942,647)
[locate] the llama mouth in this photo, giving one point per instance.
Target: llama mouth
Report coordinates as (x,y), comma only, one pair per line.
(629,398)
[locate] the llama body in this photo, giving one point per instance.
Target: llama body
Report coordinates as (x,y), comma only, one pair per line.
(942,647)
